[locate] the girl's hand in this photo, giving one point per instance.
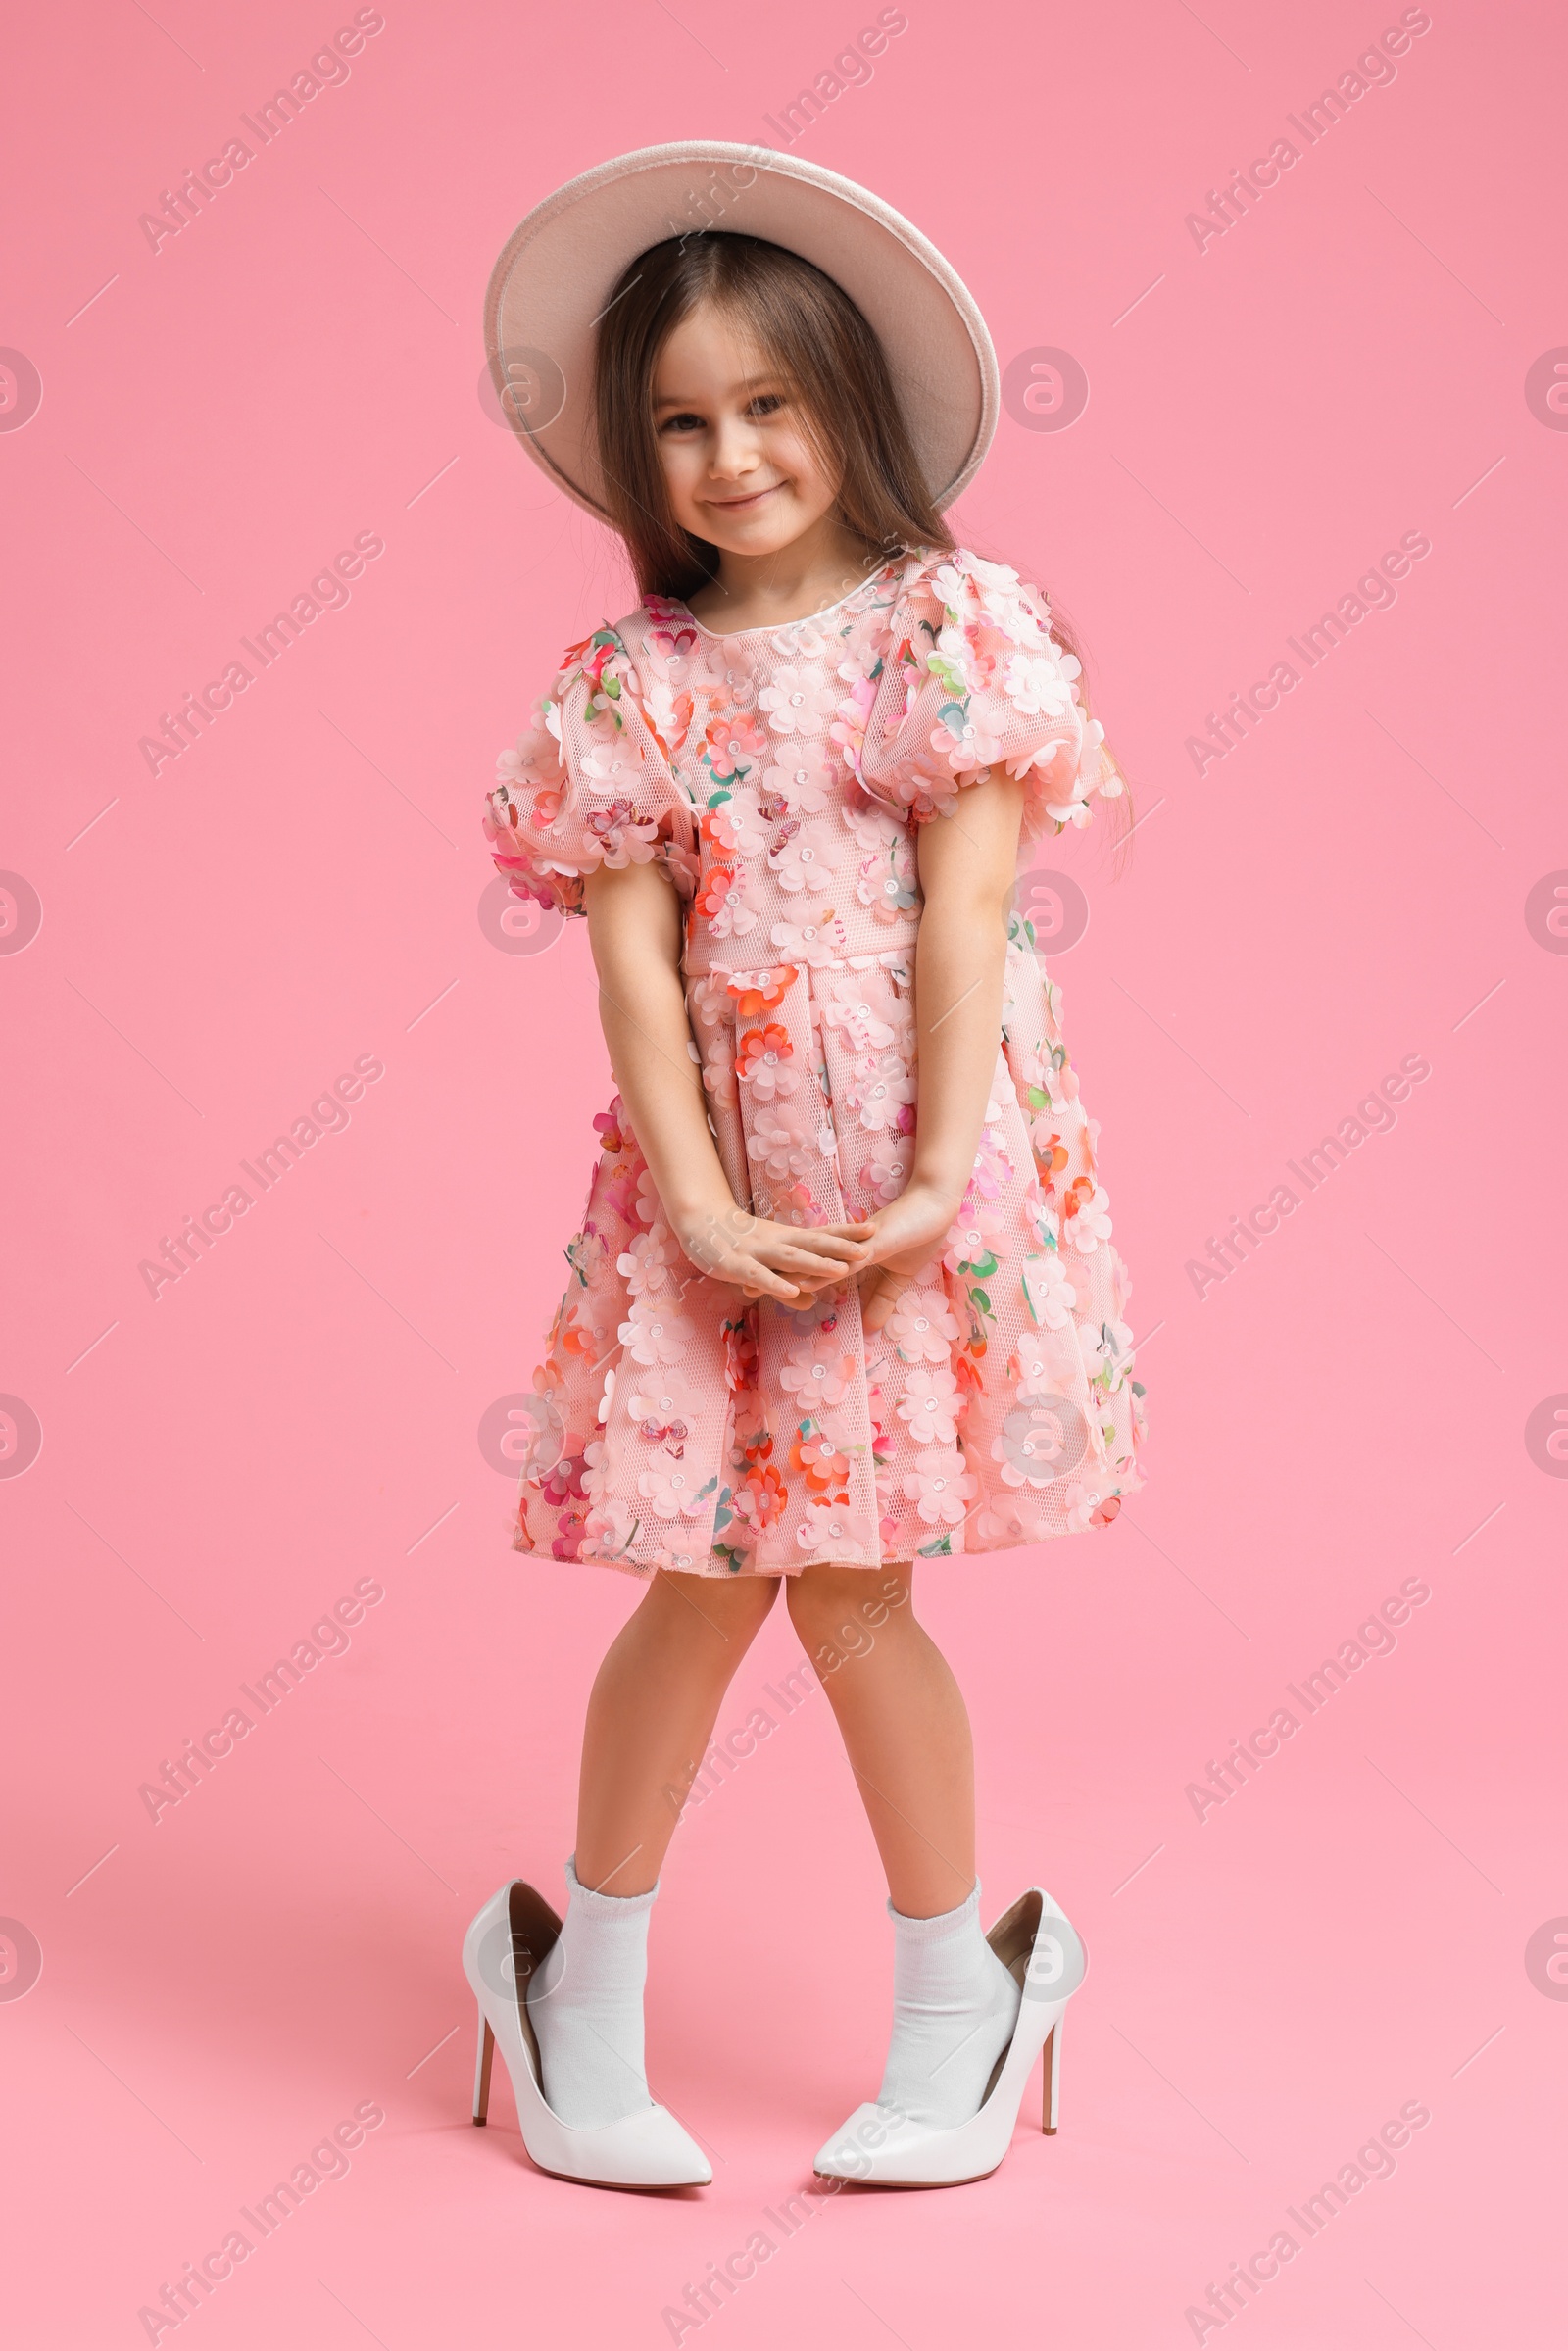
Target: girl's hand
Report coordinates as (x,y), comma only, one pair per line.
(906,1237)
(773,1261)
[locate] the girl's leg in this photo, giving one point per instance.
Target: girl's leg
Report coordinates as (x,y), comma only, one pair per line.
(650,1720)
(904,1725)
(651,1717)
(906,1735)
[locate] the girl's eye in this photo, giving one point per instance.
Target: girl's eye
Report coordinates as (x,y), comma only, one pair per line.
(766,401)
(684,421)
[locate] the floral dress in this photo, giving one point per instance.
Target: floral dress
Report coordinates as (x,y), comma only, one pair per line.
(779,775)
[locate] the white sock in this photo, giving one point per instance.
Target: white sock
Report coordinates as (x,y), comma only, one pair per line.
(585,2000)
(954,2006)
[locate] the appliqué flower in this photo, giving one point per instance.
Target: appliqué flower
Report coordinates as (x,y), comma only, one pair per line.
(734,827)
(610,766)
(1041,1441)
(659,1400)
(931,1404)
(827,1529)
(811,943)
(1036,686)
(850,721)
(620,840)
(803,778)
(1081,1504)
(761,1062)
(809,858)
(682,1563)
(1086,1216)
(825,1469)
(941,1487)
(607,1531)
(649,1265)
(779,1146)
(887,1171)
(798,702)
(969,1241)
(964,742)
(890,896)
(733,743)
(921,1327)
(727,901)
(671,635)
(761,1497)
(669,714)
(1034,1366)
(724,671)
(817,1373)
(535,756)
(881,1086)
(1107,1349)
(756,991)
(863,1013)
(1050,1295)
(655,1334)
(673,1489)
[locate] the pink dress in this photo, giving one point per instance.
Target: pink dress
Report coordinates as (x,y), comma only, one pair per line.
(779,774)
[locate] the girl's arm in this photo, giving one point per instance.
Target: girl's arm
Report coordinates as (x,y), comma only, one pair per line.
(634,928)
(967,865)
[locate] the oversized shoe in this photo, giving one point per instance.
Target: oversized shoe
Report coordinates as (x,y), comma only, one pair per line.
(1040,1947)
(648,2148)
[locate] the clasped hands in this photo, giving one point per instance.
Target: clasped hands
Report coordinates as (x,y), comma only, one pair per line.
(883,1253)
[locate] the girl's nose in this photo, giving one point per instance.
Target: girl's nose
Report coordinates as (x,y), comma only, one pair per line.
(735,452)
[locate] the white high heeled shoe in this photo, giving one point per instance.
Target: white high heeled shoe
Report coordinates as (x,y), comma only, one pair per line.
(648,2148)
(1040,1947)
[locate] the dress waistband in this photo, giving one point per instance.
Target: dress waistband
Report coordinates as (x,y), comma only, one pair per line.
(885,958)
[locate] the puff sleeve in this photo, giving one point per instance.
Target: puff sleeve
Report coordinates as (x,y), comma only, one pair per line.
(972,679)
(587,784)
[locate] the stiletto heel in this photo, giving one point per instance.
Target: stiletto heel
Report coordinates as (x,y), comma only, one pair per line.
(1038,1944)
(481,2071)
(1051,2086)
(647,2148)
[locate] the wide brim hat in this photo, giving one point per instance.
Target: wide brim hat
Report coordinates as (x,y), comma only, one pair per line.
(558,269)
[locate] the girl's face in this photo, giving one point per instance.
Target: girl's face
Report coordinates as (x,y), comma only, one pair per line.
(740,470)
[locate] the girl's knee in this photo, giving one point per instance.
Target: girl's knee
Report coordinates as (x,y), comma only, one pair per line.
(839,1611)
(729,1604)
(811,1597)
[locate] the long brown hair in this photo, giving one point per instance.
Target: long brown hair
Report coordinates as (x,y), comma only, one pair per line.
(826,350)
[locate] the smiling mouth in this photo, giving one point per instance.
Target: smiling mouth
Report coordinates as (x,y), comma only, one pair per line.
(730,505)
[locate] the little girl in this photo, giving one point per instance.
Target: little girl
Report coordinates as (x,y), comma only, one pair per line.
(844,1296)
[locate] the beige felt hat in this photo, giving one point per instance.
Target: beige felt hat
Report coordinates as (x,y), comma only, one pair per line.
(558,270)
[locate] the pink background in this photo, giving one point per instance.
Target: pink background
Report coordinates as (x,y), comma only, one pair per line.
(299,1412)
